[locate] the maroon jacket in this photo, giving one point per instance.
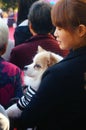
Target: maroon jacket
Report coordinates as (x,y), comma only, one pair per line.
(23,54)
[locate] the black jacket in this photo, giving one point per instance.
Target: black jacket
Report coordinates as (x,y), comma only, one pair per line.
(60,102)
(21,34)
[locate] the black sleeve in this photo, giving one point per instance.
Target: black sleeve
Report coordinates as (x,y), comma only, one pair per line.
(40,104)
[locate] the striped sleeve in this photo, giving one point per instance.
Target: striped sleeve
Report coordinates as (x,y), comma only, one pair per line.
(24,100)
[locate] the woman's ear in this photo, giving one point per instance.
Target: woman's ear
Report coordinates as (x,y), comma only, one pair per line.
(31,29)
(82,30)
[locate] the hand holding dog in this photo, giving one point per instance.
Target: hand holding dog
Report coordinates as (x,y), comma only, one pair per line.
(13,111)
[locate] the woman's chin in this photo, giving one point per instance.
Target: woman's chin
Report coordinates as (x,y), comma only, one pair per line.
(63,47)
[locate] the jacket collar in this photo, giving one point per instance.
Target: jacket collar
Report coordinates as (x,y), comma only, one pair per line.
(76,53)
(40,36)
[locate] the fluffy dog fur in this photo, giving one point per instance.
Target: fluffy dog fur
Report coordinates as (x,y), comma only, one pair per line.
(33,74)
(42,60)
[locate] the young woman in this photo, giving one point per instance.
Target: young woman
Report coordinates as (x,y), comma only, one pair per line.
(60,102)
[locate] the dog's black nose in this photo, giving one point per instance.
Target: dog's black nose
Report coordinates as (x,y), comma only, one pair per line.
(25,68)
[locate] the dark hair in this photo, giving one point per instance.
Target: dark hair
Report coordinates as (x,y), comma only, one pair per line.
(40,17)
(69,14)
(23,8)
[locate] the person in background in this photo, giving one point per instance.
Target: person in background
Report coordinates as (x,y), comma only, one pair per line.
(60,102)
(10,46)
(23,9)
(1,13)
(22,32)
(11,43)
(11,19)
(11,77)
(4,120)
(40,26)
(5,16)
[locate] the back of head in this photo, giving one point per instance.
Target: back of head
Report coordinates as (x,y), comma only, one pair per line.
(40,17)
(3,34)
(69,14)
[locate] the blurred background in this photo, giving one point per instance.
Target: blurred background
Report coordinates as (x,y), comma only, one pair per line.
(9,12)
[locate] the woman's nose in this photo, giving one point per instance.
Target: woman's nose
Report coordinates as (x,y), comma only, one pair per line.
(55,33)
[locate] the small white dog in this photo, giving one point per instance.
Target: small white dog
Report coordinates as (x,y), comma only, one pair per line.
(42,60)
(33,74)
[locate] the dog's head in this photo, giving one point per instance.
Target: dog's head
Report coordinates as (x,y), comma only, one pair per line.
(42,60)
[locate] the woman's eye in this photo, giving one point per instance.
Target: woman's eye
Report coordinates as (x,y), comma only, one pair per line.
(59,28)
(37,66)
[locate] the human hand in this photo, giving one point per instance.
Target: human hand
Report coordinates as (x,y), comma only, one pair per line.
(13,111)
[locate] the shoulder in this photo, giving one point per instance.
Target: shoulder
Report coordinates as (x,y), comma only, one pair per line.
(20,47)
(23,29)
(70,65)
(9,67)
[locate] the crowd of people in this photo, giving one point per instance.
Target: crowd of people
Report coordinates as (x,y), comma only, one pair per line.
(9,16)
(59,102)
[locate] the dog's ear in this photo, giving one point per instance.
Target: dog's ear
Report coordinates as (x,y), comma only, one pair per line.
(40,49)
(52,60)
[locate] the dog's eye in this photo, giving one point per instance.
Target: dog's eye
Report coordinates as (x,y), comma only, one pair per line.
(37,66)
